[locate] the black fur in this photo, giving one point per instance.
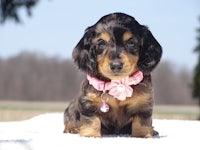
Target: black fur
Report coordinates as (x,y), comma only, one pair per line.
(139,51)
(150,50)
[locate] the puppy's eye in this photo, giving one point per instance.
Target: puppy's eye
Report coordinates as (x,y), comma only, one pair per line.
(130,43)
(102,44)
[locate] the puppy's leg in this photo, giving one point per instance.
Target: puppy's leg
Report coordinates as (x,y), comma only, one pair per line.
(91,127)
(72,118)
(90,122)
(142,127)
(70,128)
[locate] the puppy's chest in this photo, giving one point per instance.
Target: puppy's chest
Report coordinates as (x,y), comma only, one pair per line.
(116,115)
(119,112)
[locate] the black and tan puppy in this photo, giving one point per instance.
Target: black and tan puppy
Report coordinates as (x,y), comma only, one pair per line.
(118,55)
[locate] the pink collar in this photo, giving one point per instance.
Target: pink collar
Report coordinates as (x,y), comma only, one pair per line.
(120,89)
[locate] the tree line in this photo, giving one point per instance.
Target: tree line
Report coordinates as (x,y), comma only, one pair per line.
(34,77)
(30,76)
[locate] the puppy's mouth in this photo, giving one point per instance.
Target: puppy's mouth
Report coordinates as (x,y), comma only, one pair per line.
(117,70)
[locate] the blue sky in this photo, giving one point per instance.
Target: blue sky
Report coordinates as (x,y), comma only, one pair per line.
(57,25)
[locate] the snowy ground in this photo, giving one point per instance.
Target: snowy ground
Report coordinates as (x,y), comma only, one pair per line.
(44,132)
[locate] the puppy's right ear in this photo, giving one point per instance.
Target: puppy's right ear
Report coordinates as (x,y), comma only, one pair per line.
(83,54)
(150,53)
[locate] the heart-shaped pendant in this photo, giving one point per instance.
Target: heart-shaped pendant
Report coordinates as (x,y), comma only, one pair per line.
(104,107)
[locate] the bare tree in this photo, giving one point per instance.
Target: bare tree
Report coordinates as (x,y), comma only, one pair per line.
(29,76)
(9,9)
(172,87)
(34,77)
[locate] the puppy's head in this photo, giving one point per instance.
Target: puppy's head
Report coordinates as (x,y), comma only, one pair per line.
(115,47)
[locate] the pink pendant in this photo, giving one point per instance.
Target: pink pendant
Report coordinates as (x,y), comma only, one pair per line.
(104,107)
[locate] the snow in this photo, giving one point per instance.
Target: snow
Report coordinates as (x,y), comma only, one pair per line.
(46,132)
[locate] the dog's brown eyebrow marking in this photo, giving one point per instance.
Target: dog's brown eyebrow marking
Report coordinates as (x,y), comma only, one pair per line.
(105,36)
(126,36)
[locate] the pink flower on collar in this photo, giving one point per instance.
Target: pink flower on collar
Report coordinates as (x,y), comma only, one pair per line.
(120,89)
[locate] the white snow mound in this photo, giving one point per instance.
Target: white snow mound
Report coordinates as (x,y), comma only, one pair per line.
(45,132)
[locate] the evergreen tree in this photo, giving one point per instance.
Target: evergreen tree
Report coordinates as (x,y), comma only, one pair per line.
(9,9)
(196,77)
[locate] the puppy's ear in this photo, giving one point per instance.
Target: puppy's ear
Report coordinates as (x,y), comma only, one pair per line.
(83,54)
(150,52)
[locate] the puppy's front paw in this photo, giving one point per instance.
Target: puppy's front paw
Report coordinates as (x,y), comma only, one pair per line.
(90,134)
(89,131)
(152,134)
(92,128)
(144,132)
(155,133)
(70,128)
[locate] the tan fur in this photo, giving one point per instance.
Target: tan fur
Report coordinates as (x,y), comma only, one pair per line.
(139,130)
(129,61)
(133,103)
(126,36)
(114,48)
(92,128)
(71,128)
(105,36)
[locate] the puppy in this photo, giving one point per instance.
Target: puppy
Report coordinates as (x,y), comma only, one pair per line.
(118,55)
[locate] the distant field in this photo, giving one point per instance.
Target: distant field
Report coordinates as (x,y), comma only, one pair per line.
(176,112)
(20,110)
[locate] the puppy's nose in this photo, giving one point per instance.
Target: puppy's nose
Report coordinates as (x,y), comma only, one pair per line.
(116,66)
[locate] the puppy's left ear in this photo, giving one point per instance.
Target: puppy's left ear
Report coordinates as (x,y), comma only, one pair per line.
(83,53)
(150,52)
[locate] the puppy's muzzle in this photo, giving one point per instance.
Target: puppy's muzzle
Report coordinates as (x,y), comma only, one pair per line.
(116,66)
